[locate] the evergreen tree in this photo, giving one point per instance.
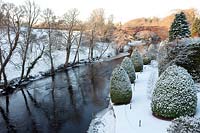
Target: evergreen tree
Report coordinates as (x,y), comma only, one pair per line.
(137,61)
(179,27)
(128,66)
(196,27)
(120,86)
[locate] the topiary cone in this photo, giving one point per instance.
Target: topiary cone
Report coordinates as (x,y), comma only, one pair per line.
(128,66)
(120,86)
(137,61)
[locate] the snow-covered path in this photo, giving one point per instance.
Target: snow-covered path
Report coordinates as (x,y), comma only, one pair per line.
(136,117)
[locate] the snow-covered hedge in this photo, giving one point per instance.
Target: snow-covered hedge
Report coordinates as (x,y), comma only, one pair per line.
(137,61)
(127,64)
(147,59)
(185,125)
(174,94)
(120,86)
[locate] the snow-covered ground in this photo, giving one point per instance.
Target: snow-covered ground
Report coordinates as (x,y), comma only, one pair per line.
(135,117)
(13,69)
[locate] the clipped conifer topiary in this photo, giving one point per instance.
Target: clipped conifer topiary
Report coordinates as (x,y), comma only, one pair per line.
(185,125)
(174,94)
(128,66)
(120,86)
(137,61)
(146,59)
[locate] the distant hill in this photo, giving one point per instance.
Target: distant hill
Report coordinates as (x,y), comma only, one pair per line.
(163,22)
(160,26)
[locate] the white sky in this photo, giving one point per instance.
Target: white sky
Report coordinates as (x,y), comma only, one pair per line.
(123,10)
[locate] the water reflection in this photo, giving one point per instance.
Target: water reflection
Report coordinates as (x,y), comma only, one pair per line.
(64,103)
(31,117)
(4,114)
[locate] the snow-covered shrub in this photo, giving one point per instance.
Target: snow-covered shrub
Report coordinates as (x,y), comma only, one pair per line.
(185,125)
(127,64)
(189,59)
(120,86)
(146,59)
(182,53)
(153,51)
(167,54)
(174,94)
(151,83)
(137,61)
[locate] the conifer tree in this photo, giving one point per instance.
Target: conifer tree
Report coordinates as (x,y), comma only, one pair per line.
(137,61)
(120,86)
(179,27)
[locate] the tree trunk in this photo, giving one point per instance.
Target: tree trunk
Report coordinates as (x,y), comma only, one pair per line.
(77,50)
(50,54)
(52,64)
(25,55)
(68,49)
(67,57)
(92,49)
(5,80)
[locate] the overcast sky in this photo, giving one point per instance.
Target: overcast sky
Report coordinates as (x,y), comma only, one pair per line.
(123,10)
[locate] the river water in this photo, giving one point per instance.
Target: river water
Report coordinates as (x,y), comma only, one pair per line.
(63,104)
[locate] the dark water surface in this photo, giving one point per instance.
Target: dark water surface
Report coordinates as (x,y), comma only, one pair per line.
(63,104)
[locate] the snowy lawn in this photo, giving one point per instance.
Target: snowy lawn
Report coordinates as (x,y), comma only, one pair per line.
(137,117)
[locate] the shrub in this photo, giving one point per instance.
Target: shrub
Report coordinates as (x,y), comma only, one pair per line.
(127,64)
(120,86)
(174,94)
(153,51)
(137,61)
(185,125)
(184,55)
(146,59)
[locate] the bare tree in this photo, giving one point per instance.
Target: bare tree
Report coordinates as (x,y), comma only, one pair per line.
(49,20)
(71,21)
(121,38)
(92,41)
(11,22)
(98,30)
(94,25)
(78,41)
(109,29)
(32,12)
(107,37)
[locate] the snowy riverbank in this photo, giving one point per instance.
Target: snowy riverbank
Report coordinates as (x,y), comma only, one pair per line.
(135,117)
(42,68)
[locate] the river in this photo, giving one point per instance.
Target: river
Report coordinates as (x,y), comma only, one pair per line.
(63,104)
